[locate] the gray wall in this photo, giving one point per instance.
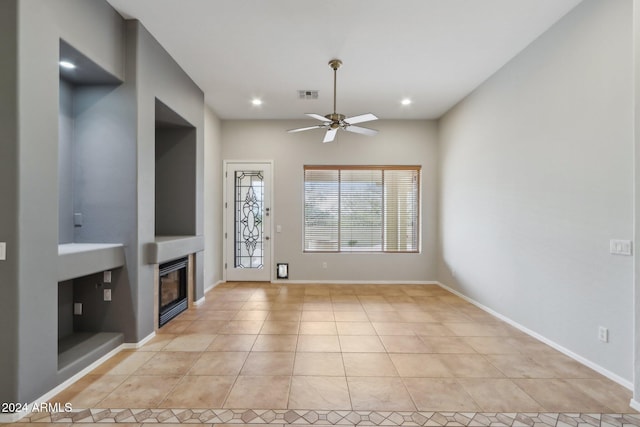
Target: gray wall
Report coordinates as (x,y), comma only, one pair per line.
(636,114)
(108,139)
(8,208)
(175,186)
(104,165)
(65,164)
(97,314)
(537,176)
(399,142)
(65,308)
(213,199)
(40,25)
(157,75)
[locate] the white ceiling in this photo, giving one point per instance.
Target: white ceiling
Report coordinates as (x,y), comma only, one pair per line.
(433,51)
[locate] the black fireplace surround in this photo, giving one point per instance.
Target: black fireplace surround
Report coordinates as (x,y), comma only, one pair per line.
(172,292)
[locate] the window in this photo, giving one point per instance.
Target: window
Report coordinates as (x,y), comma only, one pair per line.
(361,208)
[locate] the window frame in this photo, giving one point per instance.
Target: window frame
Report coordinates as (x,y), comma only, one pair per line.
(416,168)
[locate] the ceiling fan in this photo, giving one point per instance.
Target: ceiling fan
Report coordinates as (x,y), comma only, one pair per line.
(335,121)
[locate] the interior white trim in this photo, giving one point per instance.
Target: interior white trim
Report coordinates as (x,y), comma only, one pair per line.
(136,345)
(634,404)
(358,282)
(14,417)
(208,288)
(614,377)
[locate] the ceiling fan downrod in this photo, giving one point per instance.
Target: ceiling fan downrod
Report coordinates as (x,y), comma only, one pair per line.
(336,119)
(335,64)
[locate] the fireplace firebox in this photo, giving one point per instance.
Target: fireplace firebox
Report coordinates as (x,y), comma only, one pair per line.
(172,289)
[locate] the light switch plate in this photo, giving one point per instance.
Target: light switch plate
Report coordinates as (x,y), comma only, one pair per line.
(620,247)
(3,251)
(107,277)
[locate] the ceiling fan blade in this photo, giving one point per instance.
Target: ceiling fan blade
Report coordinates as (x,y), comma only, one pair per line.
(308,128)
(330,135)
(361,118)
(363,131)
(318,117)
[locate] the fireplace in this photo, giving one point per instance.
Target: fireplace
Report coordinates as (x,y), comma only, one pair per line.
(172,290)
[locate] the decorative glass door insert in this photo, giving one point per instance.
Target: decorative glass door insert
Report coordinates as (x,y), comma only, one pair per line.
(249,224)
(248,245)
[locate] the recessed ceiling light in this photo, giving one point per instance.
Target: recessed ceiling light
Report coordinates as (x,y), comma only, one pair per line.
(405,101)
(256,101)
(68,65)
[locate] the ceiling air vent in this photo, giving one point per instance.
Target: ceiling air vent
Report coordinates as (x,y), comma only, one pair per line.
(308,94)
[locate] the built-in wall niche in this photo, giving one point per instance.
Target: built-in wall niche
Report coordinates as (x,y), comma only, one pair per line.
(87,329)
(91,160)
(175,173)
(96,205)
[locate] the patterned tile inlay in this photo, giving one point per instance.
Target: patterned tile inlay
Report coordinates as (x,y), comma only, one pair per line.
(328,418)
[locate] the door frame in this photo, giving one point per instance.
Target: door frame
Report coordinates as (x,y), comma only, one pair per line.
(225,213)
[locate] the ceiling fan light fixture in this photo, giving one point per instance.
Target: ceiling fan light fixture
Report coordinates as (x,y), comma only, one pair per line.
(335,121)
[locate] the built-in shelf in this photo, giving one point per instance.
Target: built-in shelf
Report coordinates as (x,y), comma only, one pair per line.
(167,248)
(81,349)
(82,259)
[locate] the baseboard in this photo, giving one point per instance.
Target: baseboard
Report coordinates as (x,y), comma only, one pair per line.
(14,417)
(356,282)
(634,404)
(213,285)
(137,345)
(613,377)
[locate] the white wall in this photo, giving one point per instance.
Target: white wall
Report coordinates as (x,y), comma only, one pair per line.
(399,142)
(536,177)
(212,199)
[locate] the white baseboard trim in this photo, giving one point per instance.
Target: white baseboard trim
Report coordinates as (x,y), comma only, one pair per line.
(213,285)
(137,345)
(634,404)
(356,282)
(614,377)
(14,417)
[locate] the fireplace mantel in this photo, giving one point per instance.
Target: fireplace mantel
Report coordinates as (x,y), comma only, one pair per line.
(166,248)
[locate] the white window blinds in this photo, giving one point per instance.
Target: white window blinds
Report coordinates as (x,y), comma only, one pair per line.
(361,208)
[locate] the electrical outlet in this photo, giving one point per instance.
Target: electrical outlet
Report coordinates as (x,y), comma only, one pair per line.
(107,294)
(3,251)
(107,277)
(603,334)
(324,265)
(77,308)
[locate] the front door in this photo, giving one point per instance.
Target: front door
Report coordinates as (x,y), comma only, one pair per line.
(248,221)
